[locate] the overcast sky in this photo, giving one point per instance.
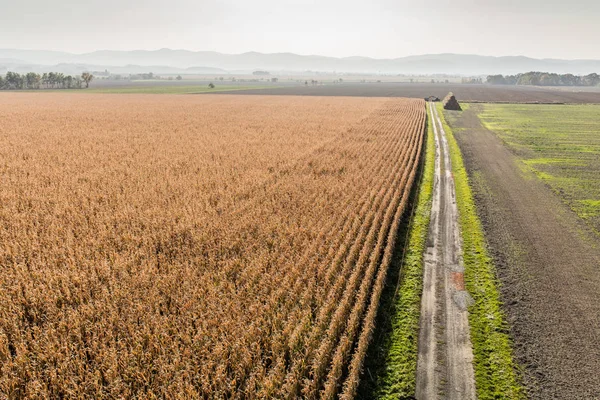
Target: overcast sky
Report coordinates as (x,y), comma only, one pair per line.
(375,28)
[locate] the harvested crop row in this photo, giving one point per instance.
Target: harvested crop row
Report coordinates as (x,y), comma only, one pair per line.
(352,220)
(209,246)
(357,284)
(337,253)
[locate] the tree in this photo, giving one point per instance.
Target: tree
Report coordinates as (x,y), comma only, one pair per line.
(211,85)
(530,78)
(87,78)
(68,81)
(32,80)
(14,80)
(591,80)
(45,80)
(179,77)
(547,79)
(496,80)
(51,79)
(60,79)
(512,79)
(568,80)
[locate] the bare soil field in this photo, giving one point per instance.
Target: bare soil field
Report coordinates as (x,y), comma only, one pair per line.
(463,92)
(203,81)
(196,246)
(547,261)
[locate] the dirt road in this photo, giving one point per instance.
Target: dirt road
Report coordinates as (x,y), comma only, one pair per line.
(445,359)
(548,265)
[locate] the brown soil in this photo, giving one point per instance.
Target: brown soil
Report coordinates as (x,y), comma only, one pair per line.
(463,92)
(547,262)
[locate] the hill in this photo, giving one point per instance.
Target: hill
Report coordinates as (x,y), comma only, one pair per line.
(178,61)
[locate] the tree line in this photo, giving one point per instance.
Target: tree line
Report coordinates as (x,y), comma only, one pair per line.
(545,79)
(49,80)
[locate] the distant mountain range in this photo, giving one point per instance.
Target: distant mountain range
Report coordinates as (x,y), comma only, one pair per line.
(167,61)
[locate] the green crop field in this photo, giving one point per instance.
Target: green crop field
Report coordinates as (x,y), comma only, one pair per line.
(561,144)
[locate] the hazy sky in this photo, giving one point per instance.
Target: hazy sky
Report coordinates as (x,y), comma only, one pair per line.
(376,28)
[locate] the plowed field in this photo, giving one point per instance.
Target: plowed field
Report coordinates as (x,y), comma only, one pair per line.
(463,92)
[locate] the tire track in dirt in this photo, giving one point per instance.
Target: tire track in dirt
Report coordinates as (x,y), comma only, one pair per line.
(445,359)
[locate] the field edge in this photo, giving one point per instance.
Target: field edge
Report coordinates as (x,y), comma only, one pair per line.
(395,353)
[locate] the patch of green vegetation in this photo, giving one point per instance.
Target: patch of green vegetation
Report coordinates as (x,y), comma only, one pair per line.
(555,161)
(167,89)
(558,143)
(496,372)
(587,208)
(392,367)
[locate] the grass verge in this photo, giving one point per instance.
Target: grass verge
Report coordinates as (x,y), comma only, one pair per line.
(392,362)
(496,373)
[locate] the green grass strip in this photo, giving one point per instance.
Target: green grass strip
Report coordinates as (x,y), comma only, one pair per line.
(398,378)
(496,373)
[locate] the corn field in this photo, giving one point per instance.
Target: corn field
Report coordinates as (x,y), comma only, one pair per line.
(196,246)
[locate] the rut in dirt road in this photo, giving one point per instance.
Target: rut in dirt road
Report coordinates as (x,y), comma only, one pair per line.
(445,358)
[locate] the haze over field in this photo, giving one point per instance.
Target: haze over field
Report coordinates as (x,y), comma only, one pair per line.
(383,33)
(167,61)
(332,199)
